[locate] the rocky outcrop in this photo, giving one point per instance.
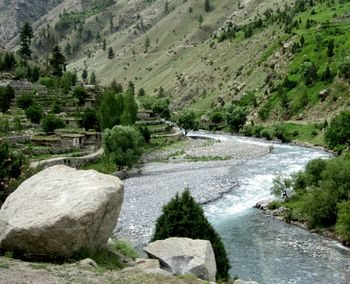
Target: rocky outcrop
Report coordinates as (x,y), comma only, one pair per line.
(185,256)
(16,12)
(59,211)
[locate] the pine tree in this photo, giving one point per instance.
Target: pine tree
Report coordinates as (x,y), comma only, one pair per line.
(84,75)
(147,44)
(104,44)
(183,217)
(26,36)
(207,6)
(110,53)
(57,61)
(92,78)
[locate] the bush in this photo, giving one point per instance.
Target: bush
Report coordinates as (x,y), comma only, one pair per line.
(343,220)
(34,113)
(145,133)
(122,145)
(6,95)
(81,94)
(50,123)
(183,217)
(273,205)
(12,164)
(236,117)
(337,135)
(25,101)
(48,82)
(89,119)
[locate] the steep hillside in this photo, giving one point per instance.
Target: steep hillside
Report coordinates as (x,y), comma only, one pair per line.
(15,13)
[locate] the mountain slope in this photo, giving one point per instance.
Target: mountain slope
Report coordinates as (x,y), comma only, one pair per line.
(15,13)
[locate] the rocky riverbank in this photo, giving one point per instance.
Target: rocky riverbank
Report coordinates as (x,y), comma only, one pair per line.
(206,179)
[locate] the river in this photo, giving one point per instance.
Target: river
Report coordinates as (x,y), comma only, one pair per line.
(260,248)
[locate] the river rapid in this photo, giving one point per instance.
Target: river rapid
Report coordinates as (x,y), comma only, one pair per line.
(259,247)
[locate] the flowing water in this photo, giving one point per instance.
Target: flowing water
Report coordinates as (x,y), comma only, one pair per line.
(260,248)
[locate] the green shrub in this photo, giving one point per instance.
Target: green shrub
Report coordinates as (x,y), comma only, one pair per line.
(337,134)
(273,205)
(50,123)
(183,217)
(48,82)
(34,113)
(343,220)
(25,101)
(122,145)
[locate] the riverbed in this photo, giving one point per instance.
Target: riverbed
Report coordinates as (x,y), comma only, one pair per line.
(260,248)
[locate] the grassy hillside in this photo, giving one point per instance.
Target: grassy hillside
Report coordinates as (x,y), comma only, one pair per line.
(256,52)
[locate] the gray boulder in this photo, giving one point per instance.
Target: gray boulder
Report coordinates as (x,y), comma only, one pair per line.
(185,256)
(59,211)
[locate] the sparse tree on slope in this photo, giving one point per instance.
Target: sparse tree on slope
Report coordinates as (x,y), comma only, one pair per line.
(26,36)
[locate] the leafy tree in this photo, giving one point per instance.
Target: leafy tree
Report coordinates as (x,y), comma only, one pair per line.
(343,220)
(26,35)
(111,109)
(129,115)
(57,61)
(282,186)
(236,117)
(6,95)
(34,113)
(110,53)
(9,61)
(145,133)
(12,164)
(337,135)
(89,119)
(68,80)
(122,145)
(183,217)
(116,87)
(187,121)
(309,73)
(81,94)
(50,123)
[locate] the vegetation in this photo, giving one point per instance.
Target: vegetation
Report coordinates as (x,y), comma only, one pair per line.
(50,123)
(122,145)
(26,36)
(337,135)
(183,217)
(187,121)
(319,195)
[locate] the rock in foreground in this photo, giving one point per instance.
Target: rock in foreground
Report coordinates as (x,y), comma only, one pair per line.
(59,211)
(185,256)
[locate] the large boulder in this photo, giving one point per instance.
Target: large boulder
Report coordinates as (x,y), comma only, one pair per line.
(185,256)
(59,211)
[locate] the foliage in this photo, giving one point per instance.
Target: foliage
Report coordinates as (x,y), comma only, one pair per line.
(50,82)
(187,121)
(50,123)
(122,145)
(81,94)
(236,117)
(34,113)
(12,164)
(6,95)
(89,119)
(126,249)
(183,217)
(57,61)
(337,135)
(157,105)
(25,101)
(130,108)
(343,220)
(282,187)
(320,192)
(145,133)
(110,53)
(111,109)
(26,35)
(68,80)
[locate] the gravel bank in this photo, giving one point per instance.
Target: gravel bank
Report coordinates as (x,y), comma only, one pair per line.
(146,194)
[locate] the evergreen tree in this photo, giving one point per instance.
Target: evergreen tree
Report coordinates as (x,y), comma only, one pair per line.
(200,20)
(116,87)
(57,61)
(104,44)
(92,78)
(84,75)
(207,7)
(141,93)
(330,48)
(183,217)
(26,35)
(129,115)
(110,53)
(147,44)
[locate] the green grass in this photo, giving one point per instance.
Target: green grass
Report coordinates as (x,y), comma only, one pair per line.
(4,265)
(126,249)
(101,165)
